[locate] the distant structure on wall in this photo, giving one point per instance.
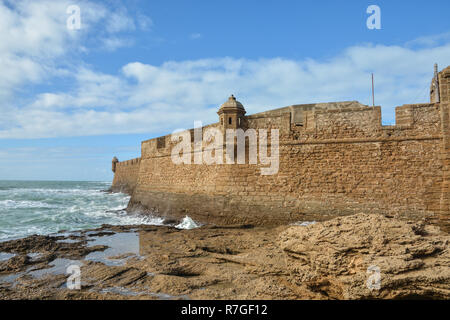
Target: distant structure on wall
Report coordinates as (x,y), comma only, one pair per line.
(335,159)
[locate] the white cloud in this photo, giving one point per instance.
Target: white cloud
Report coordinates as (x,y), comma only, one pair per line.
(35,41)
(195,36)
(147,98)
(119,21)
(430,40)
(144,22)
(114,43)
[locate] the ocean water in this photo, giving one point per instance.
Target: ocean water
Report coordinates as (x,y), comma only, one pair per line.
(45,207)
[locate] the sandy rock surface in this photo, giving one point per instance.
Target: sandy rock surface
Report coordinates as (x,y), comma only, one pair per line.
(346,257)
(326,260)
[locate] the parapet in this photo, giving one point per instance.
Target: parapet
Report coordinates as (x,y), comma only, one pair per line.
(321,121)
(298,112)
(129,162)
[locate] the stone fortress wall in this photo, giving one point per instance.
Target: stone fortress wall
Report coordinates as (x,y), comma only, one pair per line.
(334,159)
(125,175)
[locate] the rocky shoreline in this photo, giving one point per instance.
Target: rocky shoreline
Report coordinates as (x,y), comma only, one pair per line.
(335,259)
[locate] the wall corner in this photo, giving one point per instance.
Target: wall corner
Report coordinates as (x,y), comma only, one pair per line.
(444,214)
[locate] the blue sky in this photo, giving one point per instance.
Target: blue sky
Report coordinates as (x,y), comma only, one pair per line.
(72,99)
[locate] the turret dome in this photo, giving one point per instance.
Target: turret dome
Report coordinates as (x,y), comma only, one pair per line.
(232,105)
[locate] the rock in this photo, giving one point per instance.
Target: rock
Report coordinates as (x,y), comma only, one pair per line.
(325,260)
(47,249)
(340,258)
(14,264)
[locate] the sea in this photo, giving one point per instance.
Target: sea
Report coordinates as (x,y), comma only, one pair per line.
(46,207)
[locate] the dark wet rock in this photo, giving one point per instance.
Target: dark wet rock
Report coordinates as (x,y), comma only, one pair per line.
(170,221)
(45,249)
(101,233)
(14,264)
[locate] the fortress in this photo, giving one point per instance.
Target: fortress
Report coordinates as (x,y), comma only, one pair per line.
(334,159)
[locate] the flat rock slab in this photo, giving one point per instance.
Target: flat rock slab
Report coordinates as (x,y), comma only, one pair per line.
(368,256)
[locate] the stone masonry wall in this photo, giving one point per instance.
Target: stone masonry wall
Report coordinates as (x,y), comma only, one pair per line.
(444,212)
(444,85)
(338,162)
(126,176)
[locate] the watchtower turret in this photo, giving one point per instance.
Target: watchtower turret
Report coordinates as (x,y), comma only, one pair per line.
(231,114)
(114,163)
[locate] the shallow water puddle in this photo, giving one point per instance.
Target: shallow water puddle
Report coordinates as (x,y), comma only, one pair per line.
(128,292)
(69,240)
(58,266)
(34,255)
(122,246)
(4,256)
(10,278)
(122,291)
(165,296)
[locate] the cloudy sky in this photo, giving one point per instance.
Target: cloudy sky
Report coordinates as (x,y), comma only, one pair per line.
(71,99)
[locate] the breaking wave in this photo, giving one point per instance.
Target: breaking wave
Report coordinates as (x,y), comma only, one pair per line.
(187,223)
(45,207)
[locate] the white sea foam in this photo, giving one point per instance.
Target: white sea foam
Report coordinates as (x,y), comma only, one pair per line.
(123,218)
(187,223)
(22,204)
(47,207)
